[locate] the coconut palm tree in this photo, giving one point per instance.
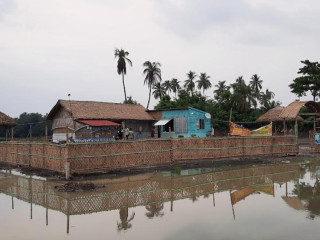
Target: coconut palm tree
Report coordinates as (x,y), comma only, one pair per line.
(154,210)
(167,86)
(152,74)
(189,83)
(256,83)
(221,87)
(159,90)
(204,82)
(175,86)
(124,223)
(122,56)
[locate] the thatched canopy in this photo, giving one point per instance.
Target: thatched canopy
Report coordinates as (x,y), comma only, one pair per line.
(274,115)
(293,109)
(101,110)
(6,121)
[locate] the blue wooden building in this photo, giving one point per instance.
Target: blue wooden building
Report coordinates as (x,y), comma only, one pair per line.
(183,122)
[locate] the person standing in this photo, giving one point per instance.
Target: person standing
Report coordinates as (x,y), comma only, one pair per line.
(126,131)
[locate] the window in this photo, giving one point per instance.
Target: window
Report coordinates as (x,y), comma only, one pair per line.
(180,125)
(200,123)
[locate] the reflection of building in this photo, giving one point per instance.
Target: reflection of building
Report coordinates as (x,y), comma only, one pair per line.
(151,190)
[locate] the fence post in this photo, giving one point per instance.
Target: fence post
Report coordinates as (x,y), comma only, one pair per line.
(67,168)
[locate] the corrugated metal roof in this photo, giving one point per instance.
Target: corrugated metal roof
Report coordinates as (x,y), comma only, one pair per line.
(162,122)
(98,123)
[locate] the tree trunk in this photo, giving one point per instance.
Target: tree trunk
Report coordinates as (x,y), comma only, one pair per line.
(124,89)
(149,96)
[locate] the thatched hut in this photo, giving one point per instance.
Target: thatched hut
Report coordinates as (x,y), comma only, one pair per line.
(284,116)
(97,121)
(7,123)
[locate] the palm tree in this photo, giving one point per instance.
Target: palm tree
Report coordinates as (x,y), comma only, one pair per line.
(167,86)
(159,90)
(204,82)
(242,95)
(175,86)
(152,74)
(154,210)
(121,67)
(221,87)
(189,83)
(124,223)
(256,83)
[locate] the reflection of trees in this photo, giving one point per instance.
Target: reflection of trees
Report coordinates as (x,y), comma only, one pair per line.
(125,221)
(311,196)
(154,210)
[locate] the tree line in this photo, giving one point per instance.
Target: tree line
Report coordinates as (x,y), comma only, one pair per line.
(30,124)
(247,100)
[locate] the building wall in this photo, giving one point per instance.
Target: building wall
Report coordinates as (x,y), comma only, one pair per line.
(192,115)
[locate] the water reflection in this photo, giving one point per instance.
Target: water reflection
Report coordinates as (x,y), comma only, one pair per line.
(152,190)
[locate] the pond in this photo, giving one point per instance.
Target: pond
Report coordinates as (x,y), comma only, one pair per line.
(274,201)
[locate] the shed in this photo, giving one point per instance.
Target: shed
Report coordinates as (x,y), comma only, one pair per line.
(77,119)
(182,122)
(7,123)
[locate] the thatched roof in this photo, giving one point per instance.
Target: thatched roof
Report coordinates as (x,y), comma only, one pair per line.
(6,120)
(101,110)
(274,115)
(293,109)
(289,113)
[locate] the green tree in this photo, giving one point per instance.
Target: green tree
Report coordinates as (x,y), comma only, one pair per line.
(159,90)
(175,86)
(204,82)
(189,83)
(152,74)
(167,86)
(122,56)
(35,121)
(130,100)
(256,85)
(242,95)
(309,81)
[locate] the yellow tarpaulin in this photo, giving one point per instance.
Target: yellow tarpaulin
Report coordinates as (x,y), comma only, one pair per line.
(238,130)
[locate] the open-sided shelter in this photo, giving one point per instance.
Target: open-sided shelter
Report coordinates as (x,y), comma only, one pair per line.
(97,121)
(290,115)
(7,124)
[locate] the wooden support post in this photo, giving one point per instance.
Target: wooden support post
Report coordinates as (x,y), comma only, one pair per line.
(12,134)
(170,133)
(67,134)
(30,132)
(67,168)
(46,132)
(284,127)
(6,133)
(314,124)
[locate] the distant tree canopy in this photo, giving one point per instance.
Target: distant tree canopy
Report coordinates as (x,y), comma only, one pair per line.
(37,123)
(247,101)
(309,81)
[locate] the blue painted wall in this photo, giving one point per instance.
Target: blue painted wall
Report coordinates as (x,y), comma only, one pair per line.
(192,115)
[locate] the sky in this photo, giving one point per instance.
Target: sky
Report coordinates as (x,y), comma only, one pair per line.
(52,48)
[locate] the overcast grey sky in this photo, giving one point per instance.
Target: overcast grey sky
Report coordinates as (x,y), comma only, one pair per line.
(49,48)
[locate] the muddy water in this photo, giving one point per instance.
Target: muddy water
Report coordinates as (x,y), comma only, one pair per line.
(279,201)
